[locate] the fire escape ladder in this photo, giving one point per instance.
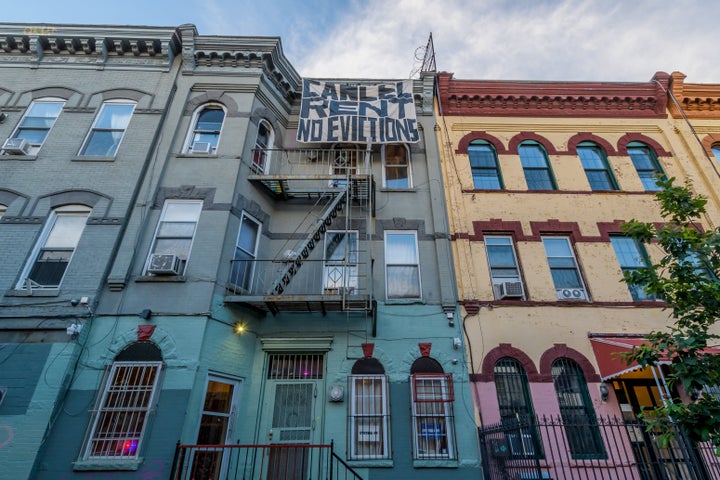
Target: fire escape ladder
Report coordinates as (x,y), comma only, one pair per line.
(313,239)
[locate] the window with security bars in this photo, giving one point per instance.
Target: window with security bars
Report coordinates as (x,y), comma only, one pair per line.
(576,410)
(369,417)
(120,419)
(516,409)
(295,366)
(433,419)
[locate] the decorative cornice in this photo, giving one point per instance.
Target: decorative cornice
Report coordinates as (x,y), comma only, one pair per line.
(697,100)
(553,99)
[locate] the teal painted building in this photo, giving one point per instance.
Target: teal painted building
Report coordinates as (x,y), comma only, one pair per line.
(267,293)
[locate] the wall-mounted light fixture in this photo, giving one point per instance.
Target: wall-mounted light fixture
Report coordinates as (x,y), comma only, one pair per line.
(146,314)
(240,328)
(604,392)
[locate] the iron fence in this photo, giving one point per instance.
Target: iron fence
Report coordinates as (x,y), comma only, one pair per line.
(559,448)
(254,462)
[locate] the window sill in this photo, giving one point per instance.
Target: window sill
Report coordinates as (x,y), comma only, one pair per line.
(162,278)
(404,301)
(400,190)
(435,463)
(40,292)
(197,155)
(85,465)
(384,463)
(7,157)
(90,158)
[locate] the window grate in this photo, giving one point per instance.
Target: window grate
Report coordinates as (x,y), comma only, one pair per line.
(291,366)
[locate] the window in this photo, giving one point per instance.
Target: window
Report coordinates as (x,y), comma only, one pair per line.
(243,263)
(536,166)
(396,163)
(3,209)
(263,142)
(369,417)
(504,271)
(484,166)
(37,121)
(433,420)
(564,269)
(716,151)
(576,410)
(205,134)
(631,256)
(55,248)
(646,164)
(340,272)
(120,419)
(516,409)
(344,164)
(597,169)
(108,129)
(174,236)
(402,267)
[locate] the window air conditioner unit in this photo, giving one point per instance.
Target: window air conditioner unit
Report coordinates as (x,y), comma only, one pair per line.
(521,444)
(163,264)
(508,290)
(571,294)
(201,147)
(16,146)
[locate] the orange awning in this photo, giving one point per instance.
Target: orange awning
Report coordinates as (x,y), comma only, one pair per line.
(608,350)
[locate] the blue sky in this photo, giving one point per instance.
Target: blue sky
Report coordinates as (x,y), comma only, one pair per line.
(612,40)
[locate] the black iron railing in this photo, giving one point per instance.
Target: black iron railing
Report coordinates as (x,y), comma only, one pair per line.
(553,447)
(251,462)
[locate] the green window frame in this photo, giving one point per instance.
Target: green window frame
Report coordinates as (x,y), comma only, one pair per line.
(631,256)
(596,166)
(646,164)
(484,166)
(536,166)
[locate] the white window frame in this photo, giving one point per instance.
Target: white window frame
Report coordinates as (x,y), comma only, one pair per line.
(560,291)
(498,280)
(139,405)
(3,210)
(416,264)
(193,130)
(348,266)
(362,415)
(440,410)
(183,261)
(260,156)
(59,212)
(95,129)
(407,166)
(253,255)
(35,147)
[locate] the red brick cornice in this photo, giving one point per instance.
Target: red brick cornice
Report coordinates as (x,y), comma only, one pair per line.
(560,350)
(506,350)
(523,136)
(553,99)
(698,100)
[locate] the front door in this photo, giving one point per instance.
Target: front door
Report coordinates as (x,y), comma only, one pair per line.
(217,427)
(292,413)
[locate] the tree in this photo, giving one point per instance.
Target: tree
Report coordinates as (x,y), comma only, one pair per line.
(686,279)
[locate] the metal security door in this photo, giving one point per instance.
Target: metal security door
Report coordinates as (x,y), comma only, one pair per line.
(291,414)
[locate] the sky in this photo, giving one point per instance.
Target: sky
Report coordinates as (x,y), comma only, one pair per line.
(565,40)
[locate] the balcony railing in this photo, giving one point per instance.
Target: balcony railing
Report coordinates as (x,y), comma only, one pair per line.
(318,285)
(267,462)
(579,447)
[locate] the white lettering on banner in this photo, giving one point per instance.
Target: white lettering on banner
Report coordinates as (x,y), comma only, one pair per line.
(357,113)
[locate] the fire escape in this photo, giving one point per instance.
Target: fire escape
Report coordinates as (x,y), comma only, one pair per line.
(326,266)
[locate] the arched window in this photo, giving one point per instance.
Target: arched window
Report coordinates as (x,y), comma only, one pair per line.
(128,396)
(646,164)
(597,168)
(535,163)
(396,166)
(206,126)
(55,247)
(263,145)
(716,151)
(516,409)
(369,411)
(433,421)
(35,124)
(484,166)
(578,415)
